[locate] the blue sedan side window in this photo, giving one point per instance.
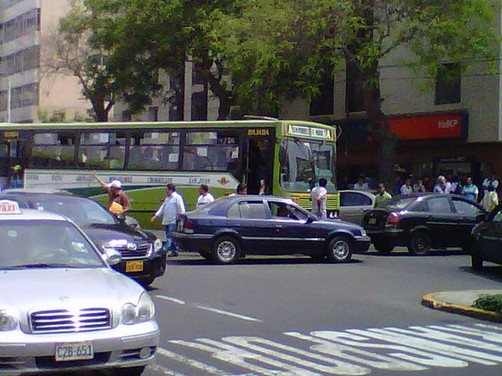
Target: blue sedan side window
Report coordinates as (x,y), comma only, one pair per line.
(251,210)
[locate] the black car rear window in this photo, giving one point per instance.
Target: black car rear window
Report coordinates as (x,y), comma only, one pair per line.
(400,202)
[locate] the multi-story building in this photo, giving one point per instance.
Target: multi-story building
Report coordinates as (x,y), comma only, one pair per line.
(28,93)
(444,126)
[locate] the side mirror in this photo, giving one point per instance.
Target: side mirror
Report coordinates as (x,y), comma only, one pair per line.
(481,217)
(112,257)
(311,219)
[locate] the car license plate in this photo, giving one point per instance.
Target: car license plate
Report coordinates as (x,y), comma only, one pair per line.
(74,351)
(134,266)
(372,221)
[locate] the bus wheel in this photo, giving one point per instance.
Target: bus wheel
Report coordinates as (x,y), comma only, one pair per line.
(226,250)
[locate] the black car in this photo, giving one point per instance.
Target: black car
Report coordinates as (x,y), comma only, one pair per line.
(235,226)
(423,221)
(143,257)
(487,240)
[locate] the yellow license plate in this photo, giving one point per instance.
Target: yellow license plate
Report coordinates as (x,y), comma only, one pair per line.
(134,266)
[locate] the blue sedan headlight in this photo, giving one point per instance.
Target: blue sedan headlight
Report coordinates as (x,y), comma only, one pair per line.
(141,312)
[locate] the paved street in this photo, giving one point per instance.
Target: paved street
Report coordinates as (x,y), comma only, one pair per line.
(269,316)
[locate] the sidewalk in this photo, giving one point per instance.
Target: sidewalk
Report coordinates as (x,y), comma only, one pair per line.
(461,302)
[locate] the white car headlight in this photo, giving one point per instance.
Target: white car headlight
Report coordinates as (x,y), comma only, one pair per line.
(157,245)
(8,321)
(363,232)
(135,314)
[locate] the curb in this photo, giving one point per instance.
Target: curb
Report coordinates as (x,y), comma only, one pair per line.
(430,301)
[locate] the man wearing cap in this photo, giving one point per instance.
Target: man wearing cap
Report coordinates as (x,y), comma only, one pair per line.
(16,180)
(118,203)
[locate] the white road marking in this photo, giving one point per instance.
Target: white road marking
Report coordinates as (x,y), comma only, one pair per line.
(226,313)
(162,370)
(348,352)
(191,362)
(210,309)
(170,299)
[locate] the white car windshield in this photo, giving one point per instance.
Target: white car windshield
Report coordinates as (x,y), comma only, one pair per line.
(45,244)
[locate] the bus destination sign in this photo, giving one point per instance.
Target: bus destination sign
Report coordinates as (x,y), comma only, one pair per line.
(306,131)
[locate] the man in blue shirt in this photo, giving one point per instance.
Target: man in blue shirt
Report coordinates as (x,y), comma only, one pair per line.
(470,191)
(16,180)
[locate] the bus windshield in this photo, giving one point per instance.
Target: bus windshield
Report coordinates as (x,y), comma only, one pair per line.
(303,163)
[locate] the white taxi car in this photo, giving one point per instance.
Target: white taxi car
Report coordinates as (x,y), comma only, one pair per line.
(62,307)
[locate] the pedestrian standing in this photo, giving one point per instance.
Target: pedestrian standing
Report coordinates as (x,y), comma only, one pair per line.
(16,180)
(118,202)
(470,191)
(407,189)
(205,197)
(490,181)
(382,197)
(442,185)
(419,186)
(170,210)
(490,199)
(318,195)
(361,184)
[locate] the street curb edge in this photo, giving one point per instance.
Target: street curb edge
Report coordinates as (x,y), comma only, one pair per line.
(430,301)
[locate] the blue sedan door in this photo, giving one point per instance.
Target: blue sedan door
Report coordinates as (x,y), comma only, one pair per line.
(294,234)
(257,231)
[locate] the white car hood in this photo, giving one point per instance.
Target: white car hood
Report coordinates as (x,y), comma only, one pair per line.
(34,289)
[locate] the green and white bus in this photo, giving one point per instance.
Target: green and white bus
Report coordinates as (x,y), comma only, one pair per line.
(285,156)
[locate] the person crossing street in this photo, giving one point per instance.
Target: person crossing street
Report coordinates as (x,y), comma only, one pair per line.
(170,210)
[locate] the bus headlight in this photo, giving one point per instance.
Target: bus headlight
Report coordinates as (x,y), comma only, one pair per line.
(135,314)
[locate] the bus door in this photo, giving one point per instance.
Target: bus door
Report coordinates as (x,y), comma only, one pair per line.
(260,156)
(4,163)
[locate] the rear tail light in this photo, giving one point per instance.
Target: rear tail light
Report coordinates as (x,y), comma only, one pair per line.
(393,219)
(187,226)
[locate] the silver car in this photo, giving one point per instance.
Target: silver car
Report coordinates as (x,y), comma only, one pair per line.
(62,307)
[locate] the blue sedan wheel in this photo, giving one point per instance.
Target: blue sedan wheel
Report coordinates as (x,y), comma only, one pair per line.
(226,250)
(339,249)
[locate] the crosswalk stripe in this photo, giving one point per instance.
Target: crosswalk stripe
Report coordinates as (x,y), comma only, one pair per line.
(191,362)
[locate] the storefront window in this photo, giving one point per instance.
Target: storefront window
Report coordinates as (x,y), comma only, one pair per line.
(304,163)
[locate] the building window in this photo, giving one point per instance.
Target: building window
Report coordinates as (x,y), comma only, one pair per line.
(153,114)
(354,98)
(448,85)
(323,104)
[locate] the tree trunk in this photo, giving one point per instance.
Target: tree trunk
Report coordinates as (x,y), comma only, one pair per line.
(379,126)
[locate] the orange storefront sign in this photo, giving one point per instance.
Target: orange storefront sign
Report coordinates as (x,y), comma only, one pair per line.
(422,127)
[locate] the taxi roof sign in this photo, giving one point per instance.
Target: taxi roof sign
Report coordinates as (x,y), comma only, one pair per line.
(9,207)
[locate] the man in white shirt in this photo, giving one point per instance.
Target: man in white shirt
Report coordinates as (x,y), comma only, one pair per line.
(407,189)
(361,184)
(205,197)
(170,210)
(318,196)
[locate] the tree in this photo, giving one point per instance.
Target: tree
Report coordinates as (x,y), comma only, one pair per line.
(145,37)
(284,46)
(77,48)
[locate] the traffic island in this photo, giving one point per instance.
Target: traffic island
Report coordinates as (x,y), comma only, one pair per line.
(461,302)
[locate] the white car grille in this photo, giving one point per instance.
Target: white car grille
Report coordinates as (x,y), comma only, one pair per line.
(62,320)
(143,250)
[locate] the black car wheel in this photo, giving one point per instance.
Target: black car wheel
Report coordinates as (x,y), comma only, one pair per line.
(383,248)
(145,282)
(339,249)
(420,243)
(226,250)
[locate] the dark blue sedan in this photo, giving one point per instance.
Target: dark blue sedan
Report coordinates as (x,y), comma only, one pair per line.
(232,227)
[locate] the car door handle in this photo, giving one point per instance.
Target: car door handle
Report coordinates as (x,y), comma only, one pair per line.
(279,226)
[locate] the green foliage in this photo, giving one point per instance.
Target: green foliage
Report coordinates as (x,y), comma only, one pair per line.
(492,303)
